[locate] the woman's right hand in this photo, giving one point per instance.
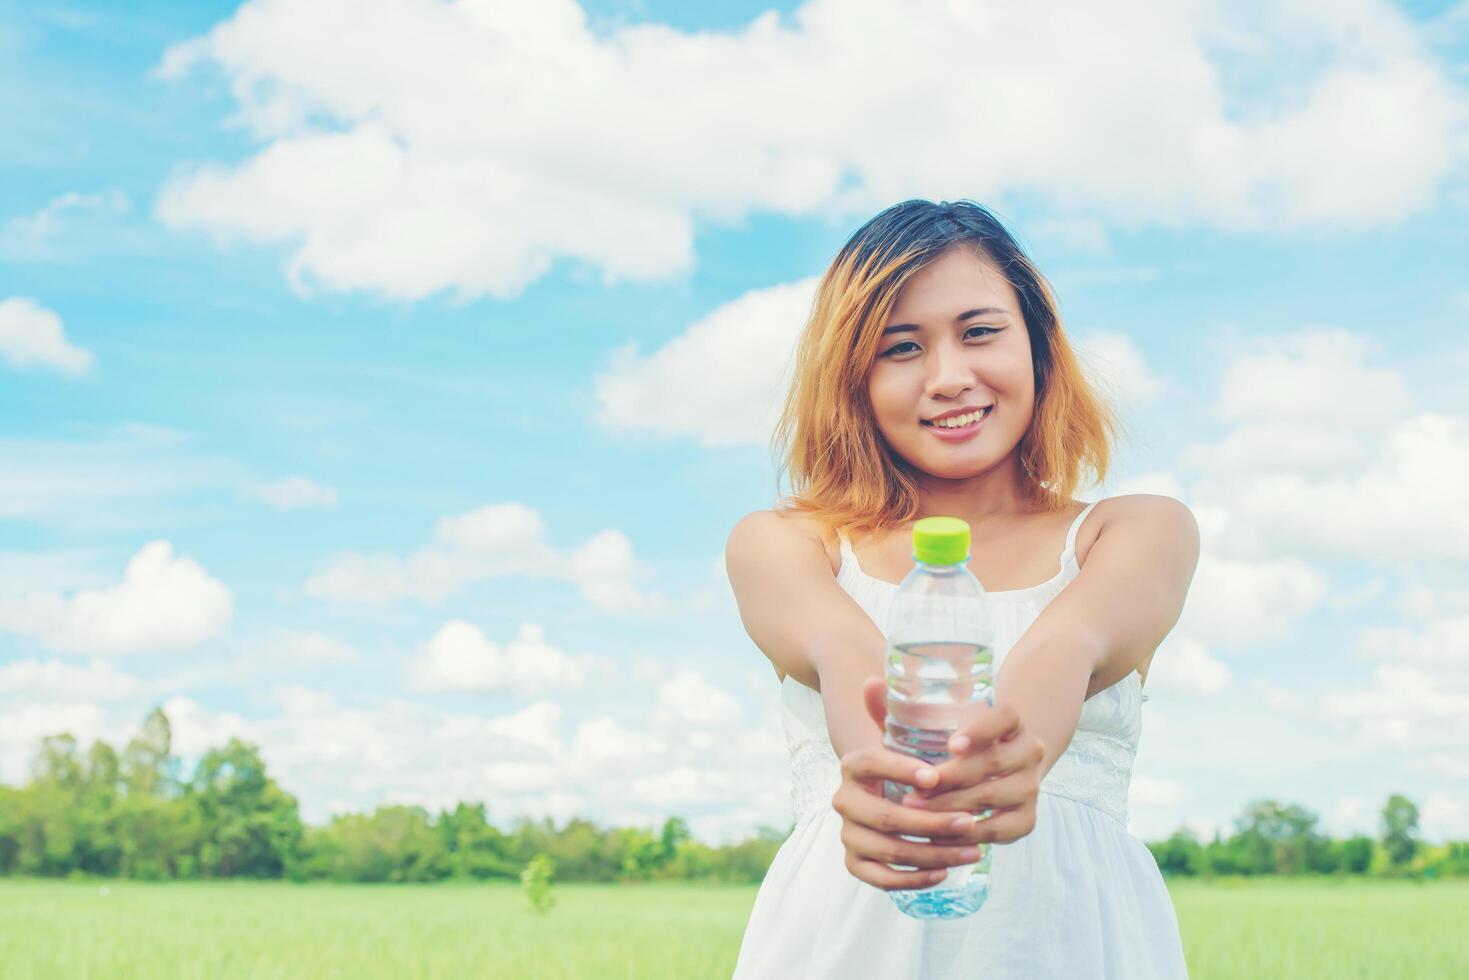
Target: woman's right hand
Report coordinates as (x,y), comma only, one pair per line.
(872,825)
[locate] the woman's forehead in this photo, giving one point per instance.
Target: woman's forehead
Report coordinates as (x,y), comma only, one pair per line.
(955,282)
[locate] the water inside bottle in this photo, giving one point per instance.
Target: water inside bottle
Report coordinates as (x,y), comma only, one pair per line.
(933,689)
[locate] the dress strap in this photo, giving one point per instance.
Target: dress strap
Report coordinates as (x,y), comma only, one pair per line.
(1071,534)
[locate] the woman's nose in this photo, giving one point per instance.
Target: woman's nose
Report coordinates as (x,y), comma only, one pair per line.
(950,373)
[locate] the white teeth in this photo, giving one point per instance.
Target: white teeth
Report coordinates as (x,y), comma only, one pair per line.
(959,421)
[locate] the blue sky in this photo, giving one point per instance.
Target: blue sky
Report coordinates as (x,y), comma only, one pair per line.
(379,381)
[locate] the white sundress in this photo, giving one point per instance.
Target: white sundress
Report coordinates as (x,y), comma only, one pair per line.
(1078,898)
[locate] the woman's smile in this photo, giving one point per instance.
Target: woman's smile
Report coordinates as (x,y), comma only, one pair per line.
(959,433)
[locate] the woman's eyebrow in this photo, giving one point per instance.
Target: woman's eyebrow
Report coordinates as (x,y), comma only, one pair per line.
(978,311)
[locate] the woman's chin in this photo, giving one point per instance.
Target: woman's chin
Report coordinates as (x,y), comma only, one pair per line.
(952,468)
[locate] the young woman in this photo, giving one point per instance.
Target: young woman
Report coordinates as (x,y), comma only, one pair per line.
(931,315)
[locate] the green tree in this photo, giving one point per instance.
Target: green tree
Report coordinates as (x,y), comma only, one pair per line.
(1399,829)
(1356,855)
(474,847)
(1180,854)
(536,880)
(1277,837)
(148,766)
(251,826)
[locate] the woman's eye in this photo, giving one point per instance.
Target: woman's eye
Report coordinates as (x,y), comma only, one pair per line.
(900,348)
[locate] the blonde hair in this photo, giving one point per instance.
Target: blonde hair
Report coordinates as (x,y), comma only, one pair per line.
(827,443)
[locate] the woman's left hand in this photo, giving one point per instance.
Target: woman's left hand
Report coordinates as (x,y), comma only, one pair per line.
(996,766)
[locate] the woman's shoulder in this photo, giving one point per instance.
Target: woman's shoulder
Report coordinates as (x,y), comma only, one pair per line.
(1152,508)
(775,529)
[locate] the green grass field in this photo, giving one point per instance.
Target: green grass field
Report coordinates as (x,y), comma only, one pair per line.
(81,930)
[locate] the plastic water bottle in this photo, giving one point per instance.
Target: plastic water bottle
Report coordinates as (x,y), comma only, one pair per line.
(939,670)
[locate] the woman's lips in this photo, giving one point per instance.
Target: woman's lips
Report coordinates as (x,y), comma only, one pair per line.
(962,433)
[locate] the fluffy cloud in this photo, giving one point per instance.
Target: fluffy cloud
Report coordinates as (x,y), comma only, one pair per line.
(133,478)
(531,761)
(1241,602)
(1295,480)
(1114,362)
(721,381)
(85,218)
(1184,665)
(293,493)
(97,681)
(494,541)
(163,602)
(461,658)
(1315,376)
(31,335)
(309,646)
(23,723)
(1418,694)
(607,147)
(687,698)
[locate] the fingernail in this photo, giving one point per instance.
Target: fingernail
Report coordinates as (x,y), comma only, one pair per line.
(915,800)
(938,876)
(958,743)
(969,854)
(926,775)
(962,823)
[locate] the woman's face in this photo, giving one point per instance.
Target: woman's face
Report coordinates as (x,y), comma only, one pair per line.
(955,341)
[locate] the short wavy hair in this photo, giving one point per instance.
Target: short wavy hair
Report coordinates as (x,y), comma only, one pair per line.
(827,444)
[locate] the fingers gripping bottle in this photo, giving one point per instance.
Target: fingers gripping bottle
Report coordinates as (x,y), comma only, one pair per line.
(939,671)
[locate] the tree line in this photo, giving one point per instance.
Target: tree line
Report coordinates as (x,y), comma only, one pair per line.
(135,813)
(1274,838)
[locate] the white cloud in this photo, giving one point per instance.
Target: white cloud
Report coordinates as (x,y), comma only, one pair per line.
(1086,235)
(39,235)
(1240,602)
(1313,375)
(293,493)
(1350,816)
(721,381)
(606,747)
(132,478)
(1410,708)
(1444,817)
(1418,694)
(1411,488)
(23,723)
(1150,791)
(1295,480)
(687,698)
(1185,666)
(30,334)
(1119,368)
(195,729)
(1423,601)
(1160,482)
(607,149)
(461,658)
(308,646)
(1440,644)
(54,679)
(338,756)
(162,603)
(47,571)
(1272,446)
(494,541)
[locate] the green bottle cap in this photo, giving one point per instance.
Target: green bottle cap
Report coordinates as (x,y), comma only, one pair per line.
(940,541)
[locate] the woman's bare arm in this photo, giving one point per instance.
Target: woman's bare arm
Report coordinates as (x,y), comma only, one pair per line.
(1107,621)
(807,625)
(1101,626)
